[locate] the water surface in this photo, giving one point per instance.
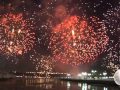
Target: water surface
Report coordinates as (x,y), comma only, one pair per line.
(49,84)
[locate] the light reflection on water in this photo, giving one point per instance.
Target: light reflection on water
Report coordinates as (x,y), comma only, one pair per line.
(45,83)
(49,84)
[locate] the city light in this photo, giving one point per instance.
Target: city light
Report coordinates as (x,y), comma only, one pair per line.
(79,75)
(104,73)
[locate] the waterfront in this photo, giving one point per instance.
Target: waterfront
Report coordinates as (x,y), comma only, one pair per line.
(50,84)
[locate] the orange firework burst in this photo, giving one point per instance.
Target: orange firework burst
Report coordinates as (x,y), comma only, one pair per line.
(16,37)
(75,41)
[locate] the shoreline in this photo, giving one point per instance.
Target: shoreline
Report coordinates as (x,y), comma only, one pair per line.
(90,81)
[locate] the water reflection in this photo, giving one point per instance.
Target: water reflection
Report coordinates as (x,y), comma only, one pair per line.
(79,84)
(84,86)
(68,85)
(89,87)
(105,88)
(45,83)
(49,84)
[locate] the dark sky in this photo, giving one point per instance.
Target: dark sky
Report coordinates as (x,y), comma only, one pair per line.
(42,11)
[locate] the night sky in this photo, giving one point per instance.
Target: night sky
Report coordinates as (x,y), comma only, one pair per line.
(44,15)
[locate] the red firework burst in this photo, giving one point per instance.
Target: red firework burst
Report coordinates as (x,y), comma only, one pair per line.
(75,41)
(16,37)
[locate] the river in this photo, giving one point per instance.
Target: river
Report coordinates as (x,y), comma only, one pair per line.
(50,84)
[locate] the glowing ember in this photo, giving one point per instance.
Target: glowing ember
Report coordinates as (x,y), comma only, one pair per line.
(16,37)
(75,41)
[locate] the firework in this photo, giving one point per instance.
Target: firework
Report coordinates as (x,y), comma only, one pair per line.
(42,63)
(77,41)
(47,64)
(16,37)
(112,18)
(112,59)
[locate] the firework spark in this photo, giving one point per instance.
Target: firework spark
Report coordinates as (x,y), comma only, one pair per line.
(42,63)
(16,37)
(112,59)
(75,41)
(112,20)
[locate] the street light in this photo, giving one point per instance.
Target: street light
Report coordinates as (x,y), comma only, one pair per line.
(93,72)
(68,75)
(89,74)
(84,74)
(104,74)
(79,75)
